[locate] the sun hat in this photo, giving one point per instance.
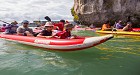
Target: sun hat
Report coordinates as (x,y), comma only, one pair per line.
(48,24)
(69,25)
(25,21)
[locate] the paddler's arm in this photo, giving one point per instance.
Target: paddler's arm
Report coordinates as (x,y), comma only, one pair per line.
(108,29)
(105,28)
(44,36)
(19,31)
(40,35)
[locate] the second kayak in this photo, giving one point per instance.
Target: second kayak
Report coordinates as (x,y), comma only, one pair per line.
(119,32)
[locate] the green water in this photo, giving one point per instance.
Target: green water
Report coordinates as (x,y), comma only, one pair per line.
(119,56)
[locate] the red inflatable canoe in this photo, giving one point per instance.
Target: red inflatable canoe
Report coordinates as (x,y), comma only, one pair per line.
(58,44)
(136,29)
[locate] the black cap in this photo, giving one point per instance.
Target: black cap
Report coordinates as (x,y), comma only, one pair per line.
(62,21)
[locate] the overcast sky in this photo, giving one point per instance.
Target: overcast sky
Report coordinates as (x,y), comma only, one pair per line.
(34,9)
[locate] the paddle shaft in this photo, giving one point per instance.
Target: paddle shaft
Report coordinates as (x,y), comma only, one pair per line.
(4,22)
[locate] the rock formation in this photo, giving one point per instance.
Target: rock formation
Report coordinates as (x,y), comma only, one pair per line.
(99,11)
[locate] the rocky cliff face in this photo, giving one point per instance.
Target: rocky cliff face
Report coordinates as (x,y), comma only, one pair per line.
(99,11)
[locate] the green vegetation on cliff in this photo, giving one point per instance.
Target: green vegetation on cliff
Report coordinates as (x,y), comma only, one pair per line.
(76,18)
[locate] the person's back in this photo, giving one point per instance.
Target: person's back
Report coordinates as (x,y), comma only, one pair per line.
(119,25)
(106,26)
(11,28)
(128,27)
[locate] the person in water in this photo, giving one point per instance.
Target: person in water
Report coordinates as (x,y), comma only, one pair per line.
(119,25)
(47,32)
(128,27)
(66,34)
(24,30)
(11,28)
(106,26)
(60,25)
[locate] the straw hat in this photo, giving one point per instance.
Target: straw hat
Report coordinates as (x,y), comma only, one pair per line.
(69,25)
(48,24)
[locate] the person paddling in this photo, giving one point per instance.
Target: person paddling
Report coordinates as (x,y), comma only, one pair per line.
(24,30)
(106,26)
(119,25)
(11,28)
(128,27)
(66,34)
(47,32)
(60,25)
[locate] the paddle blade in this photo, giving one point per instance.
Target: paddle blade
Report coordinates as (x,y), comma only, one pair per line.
(47,18)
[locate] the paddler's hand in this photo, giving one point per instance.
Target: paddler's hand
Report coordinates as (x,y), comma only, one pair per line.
(28,33)
(48,36)
(74,36)
(55,37)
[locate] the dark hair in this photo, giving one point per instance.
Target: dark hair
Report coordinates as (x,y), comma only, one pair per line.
(38,26)
(62,21)
(107,22)
(4,24)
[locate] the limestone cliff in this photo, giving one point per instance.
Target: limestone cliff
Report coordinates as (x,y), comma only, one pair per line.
(98,11)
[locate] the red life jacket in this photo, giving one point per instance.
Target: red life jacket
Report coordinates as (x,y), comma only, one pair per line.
(60,25)
(64,34)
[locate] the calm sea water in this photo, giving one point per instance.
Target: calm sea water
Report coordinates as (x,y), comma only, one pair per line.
(119,56)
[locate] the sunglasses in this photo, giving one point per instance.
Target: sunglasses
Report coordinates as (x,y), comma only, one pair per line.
(26,23)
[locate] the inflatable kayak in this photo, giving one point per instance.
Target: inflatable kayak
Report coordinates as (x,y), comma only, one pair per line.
(58,44)
(119,32)
(136,29)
